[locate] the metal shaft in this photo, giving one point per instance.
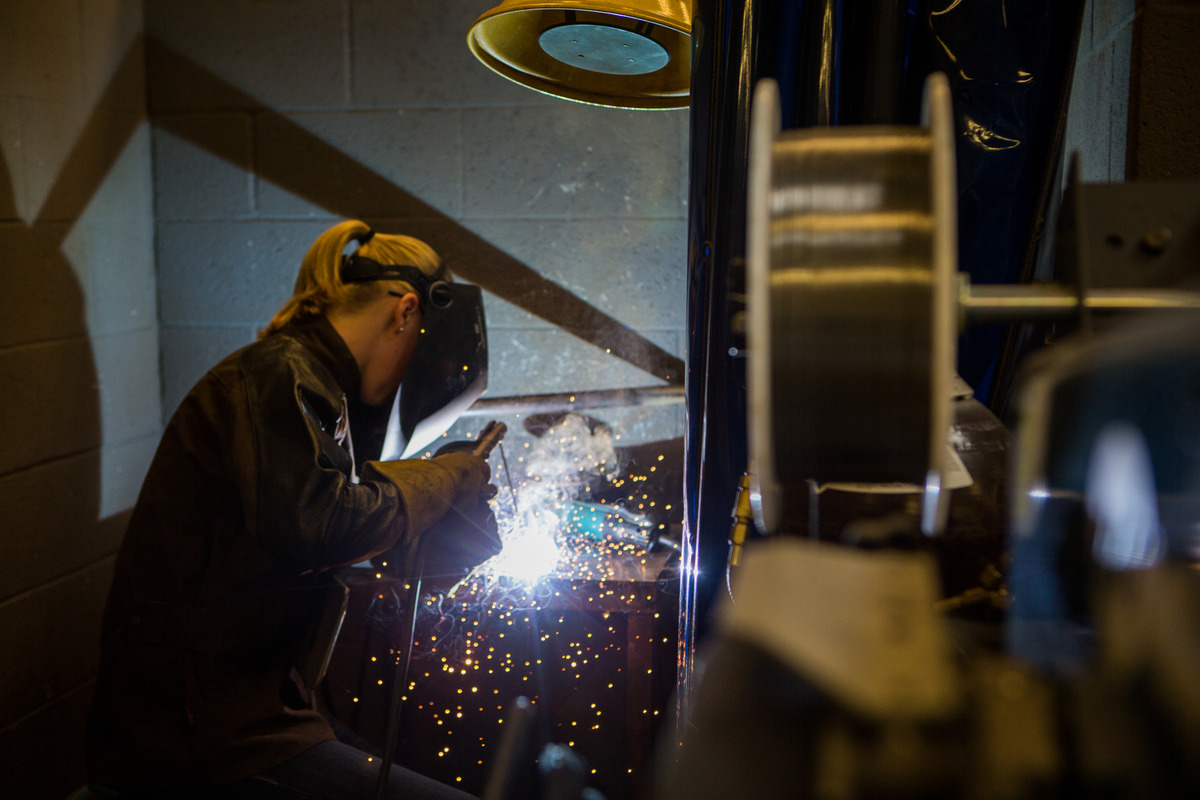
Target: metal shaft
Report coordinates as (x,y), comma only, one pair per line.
(1050,301)
(569,401)
(400,679)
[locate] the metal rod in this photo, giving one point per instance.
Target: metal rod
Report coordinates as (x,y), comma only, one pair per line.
(567,401)
(1048,301)
(400,678)
(508,475)
(489,437)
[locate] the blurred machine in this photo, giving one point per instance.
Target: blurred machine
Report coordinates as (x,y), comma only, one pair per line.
(843,665)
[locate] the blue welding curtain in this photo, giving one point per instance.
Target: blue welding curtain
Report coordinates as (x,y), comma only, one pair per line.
(1010,64)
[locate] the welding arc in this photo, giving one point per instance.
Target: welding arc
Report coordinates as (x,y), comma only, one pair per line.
(850,304)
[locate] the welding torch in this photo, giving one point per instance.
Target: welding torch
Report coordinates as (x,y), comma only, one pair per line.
(489,437)
(485,443)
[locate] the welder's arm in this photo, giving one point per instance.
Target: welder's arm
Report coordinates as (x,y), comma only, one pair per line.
(300,501)
(466,534)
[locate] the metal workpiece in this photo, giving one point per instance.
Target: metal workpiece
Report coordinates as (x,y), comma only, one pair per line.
(576,401)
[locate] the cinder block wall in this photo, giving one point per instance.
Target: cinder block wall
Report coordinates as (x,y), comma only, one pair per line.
(79,412)
(274,119)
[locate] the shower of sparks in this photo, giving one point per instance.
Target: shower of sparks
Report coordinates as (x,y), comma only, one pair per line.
(561,615)
(552,532)
(549,523)
(581,651)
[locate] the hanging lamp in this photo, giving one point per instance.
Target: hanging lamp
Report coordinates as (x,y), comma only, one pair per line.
(631,54)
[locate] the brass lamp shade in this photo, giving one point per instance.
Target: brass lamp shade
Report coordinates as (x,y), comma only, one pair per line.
(633,54)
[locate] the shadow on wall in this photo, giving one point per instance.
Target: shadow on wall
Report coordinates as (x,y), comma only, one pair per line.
(345,187)
(55,551)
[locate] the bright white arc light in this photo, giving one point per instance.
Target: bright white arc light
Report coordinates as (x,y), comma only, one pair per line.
(526,557)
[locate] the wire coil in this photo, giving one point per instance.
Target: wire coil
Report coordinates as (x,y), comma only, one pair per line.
(850,268)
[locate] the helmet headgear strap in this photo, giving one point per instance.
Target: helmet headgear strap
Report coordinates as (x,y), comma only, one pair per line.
(360,269)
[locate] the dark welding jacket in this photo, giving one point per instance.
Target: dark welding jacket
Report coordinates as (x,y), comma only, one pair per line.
(249,500)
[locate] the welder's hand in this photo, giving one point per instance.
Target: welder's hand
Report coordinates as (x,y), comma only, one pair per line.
(462,540)
(470,474)
(430,489)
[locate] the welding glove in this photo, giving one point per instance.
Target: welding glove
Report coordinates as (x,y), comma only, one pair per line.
(430,488)
(459,542)
(447,486)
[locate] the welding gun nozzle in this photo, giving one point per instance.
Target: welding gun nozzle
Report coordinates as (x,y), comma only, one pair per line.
(489,437)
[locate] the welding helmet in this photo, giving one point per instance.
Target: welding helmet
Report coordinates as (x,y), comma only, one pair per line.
(448,369)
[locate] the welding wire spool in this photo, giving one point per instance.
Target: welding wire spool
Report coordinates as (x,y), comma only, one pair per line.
(851,304)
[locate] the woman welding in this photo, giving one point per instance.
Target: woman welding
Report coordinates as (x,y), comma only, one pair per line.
(267,477)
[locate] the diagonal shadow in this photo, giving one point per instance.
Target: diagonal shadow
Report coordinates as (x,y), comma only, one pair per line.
(43,310)
(98,146)
(347,188)
(43,300)
(57,549)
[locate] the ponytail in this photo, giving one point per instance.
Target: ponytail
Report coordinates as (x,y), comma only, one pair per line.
(319,286)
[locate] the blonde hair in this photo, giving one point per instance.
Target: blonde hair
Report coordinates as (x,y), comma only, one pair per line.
(319,286)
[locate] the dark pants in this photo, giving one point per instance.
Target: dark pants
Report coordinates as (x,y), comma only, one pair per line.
(329,771)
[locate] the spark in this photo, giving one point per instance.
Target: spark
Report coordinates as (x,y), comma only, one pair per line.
(569,559)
